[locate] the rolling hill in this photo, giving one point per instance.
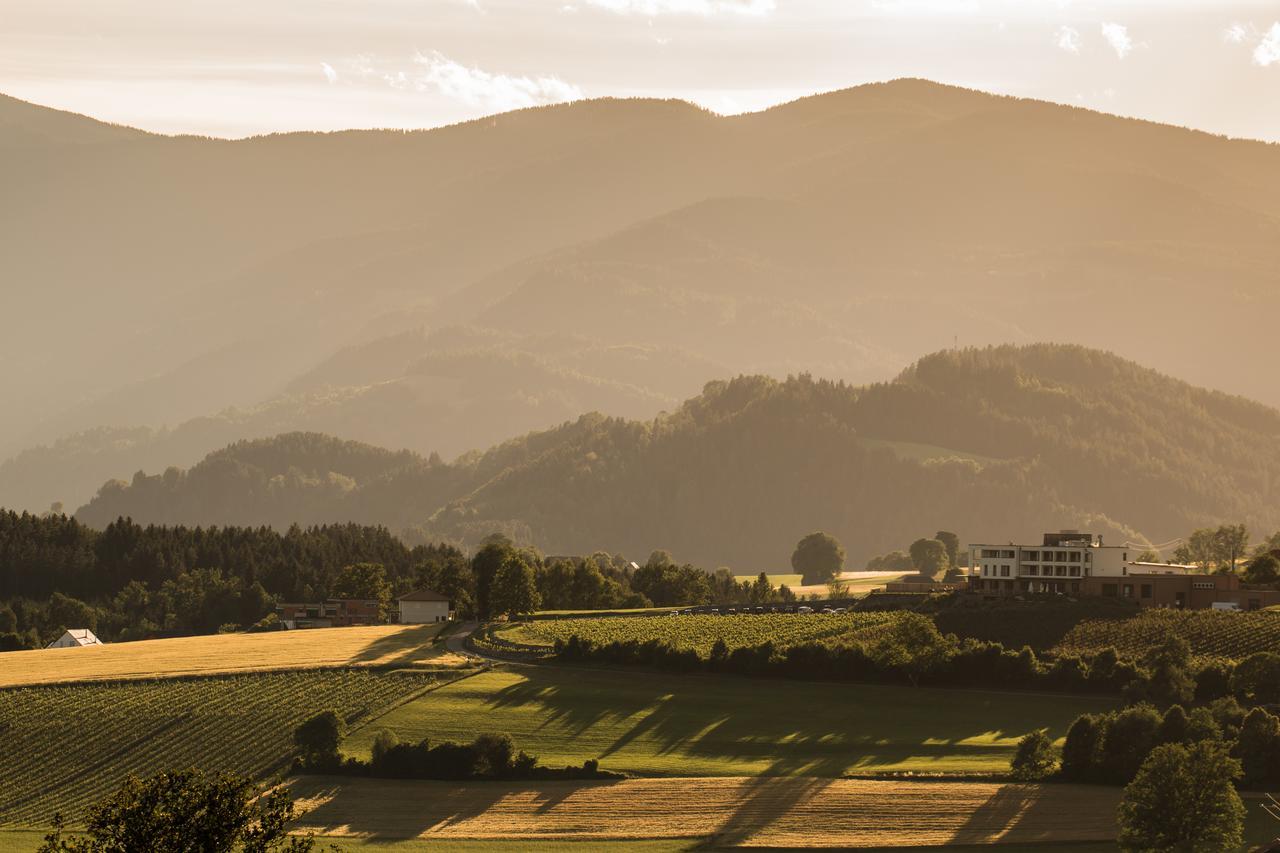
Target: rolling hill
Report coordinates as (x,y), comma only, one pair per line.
(443,289)
(993,442)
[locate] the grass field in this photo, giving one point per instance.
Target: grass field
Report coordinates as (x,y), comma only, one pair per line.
(380,645)
(66,747)
(654,724)
(732,812)
(777,580)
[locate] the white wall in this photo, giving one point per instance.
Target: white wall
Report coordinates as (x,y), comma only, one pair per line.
(420,612)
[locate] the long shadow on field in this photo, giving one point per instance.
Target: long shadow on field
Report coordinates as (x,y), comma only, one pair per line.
(384,809)
(775,727)
(1028,814)
(399,648)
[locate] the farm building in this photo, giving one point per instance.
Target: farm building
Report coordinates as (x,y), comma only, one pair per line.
(330,613)
(74,638)
(422,606)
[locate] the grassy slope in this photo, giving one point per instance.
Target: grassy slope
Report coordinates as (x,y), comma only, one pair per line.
(656,724)
(379,645)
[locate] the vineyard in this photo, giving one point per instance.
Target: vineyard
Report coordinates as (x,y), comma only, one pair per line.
(701,632)
(1211,633)
(67,747)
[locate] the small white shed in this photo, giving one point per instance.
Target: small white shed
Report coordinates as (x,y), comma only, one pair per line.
(74,638)
(424,606)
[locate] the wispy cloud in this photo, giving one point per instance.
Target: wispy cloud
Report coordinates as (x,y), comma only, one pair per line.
(1236,33)
(1067,38)
(1267,52)
(706,8)
(485,89)
(1117,35)
(329,73)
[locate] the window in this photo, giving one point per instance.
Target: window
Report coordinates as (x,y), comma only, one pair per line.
(1032,556)
(1075,571)
(1146,590)
(1060,557)
(1074,557)
(1004,571)
(988,553)
(1109,590)
(1127,590)
(1202,584)
(1060,571)
(1009,555)
(1033,570)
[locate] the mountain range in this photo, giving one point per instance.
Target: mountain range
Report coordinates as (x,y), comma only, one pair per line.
(993,443)
(445,290)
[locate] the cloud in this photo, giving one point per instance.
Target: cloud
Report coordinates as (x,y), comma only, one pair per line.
(1268,50)
(1117,35)
(706,8)
(484,89)
(1235,33)
(329,73)
(1067,38)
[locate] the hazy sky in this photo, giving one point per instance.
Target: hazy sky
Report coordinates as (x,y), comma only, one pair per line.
(238,67)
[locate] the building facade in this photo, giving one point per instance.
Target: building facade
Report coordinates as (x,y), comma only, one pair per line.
(330,613)
(1079,564)
(424,606)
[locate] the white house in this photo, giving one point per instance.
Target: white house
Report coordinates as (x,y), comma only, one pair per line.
(74,638)
(422,606)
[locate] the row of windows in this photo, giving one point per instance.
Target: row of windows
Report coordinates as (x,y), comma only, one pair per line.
(996,554)
(1003,571)
(1061,571)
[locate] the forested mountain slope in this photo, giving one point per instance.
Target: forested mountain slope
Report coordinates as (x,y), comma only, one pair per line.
(605,255)
(993,443)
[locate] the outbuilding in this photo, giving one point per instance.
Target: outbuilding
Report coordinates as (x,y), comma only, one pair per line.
(74,638)
(424,606)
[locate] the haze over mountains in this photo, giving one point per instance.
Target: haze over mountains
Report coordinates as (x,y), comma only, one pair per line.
(992,442)
(445,290)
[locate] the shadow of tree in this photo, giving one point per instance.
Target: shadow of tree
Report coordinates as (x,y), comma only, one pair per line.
(400,647)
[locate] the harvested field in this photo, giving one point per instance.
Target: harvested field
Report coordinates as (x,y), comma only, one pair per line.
(746,812)
(378,645)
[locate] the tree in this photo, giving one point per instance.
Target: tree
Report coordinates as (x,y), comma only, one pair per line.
(1231,542)
(1258,748)
(181,812)
(1183,798)
(952,543)
(1175,726)
(484,568)
(1129,737)
(1035,757)
(1169,681)
(1082,749)
(818,558)
(364,581)
(1263,569)
(912,645)
(1256,680)
(929,556)
(318,738)
(515,587)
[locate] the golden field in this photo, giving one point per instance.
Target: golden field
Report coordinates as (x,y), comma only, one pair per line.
(729,811)
(378,645)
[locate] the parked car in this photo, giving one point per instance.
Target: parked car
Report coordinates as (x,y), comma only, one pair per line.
(804,609)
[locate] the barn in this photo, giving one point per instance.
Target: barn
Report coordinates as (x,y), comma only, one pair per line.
(423,606)
(74,638)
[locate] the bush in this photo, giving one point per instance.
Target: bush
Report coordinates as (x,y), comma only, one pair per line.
(318,738)
(1081,750)
(1256,680)
(1035,758)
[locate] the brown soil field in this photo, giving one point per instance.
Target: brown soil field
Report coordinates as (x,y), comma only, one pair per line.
(379,645)
(746,812)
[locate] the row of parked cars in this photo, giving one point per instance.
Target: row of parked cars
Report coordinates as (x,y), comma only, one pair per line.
(761,610)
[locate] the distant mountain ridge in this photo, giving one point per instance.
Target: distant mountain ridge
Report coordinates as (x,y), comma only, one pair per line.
(607,255)
(992,442)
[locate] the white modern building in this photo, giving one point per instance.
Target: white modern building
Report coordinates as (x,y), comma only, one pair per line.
(1059,563)
(75,638)
(424,606)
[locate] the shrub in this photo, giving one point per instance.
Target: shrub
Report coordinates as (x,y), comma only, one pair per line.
(1256,680)
(318,738)
(1035,757)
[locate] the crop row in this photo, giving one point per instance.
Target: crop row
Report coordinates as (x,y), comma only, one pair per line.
(701,632)
(71,745)
(1210,633)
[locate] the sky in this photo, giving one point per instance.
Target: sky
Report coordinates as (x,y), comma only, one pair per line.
(241,67)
